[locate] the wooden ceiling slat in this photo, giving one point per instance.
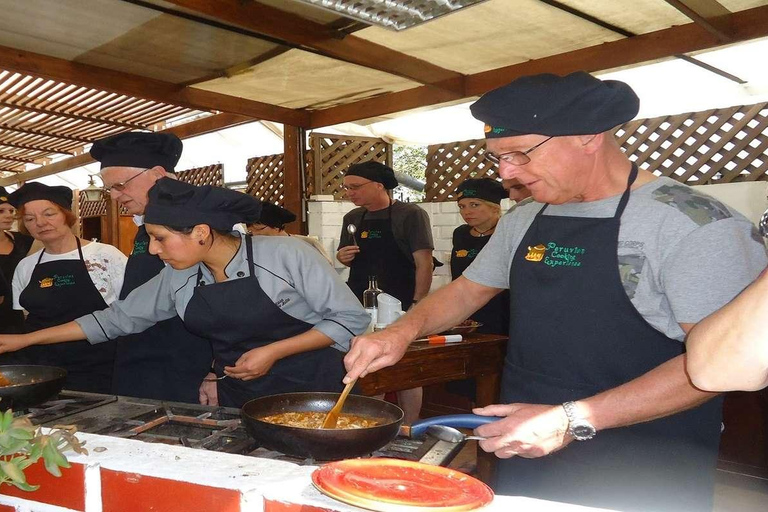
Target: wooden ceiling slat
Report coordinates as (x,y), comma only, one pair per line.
(5,126)
(28,147)
(17,159)
(8,84)
(747,24)
(200,127)
(125,83)
(154,117)
(71,116)
(296,30)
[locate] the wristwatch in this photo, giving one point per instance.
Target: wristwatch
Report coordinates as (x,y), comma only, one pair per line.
(578,427)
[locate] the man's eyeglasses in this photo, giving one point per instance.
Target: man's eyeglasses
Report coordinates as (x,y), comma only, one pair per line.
(119,187)
(513,157)
(356,187)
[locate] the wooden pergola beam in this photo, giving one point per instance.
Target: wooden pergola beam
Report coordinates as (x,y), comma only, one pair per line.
(711,15)
(749,24)
(316,37)
(42,133)
(41,160)
(143,87)
(184,131)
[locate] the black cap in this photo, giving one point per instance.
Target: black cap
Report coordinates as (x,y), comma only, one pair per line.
(138,149)
(546,104)
(3,195)
(275,216)
(61,196)
(176,203)
(374,171)
(486,189)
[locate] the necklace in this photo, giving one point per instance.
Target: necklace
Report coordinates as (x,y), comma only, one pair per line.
(484,233)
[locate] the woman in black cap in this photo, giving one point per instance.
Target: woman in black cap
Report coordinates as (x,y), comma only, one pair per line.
(272,223)
(479,203)
(13,247)
(68,278)
(278,318)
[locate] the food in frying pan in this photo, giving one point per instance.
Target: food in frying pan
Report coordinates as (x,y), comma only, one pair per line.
(315,420)
(4,381)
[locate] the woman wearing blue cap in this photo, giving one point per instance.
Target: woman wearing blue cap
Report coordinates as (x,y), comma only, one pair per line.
(68,278)
(278,317)
(13,247)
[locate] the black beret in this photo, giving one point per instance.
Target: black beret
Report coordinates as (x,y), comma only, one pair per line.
(374,171)
(486,189)
(546,104)
(138,149)
(61,196)
(179,204)
(3,195)
(275,216)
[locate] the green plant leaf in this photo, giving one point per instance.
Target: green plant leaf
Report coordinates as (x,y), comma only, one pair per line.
(13,472)
(25,486)
(7,419)
(52,468)
(20,433)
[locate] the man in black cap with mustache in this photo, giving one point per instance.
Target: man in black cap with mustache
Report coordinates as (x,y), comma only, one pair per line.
(608,268)
(393,242)
(165,362)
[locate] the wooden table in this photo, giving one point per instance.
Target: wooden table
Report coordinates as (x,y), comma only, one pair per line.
(479,355)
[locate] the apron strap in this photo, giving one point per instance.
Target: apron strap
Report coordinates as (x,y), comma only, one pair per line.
(249,253)
(625,197)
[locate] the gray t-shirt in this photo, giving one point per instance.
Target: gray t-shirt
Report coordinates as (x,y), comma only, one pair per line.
(682,254)
(410,226)
(292,274)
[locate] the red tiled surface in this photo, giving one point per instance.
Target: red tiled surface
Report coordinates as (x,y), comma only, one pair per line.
(130,492)
(67,491)
(6,508)
(278,506)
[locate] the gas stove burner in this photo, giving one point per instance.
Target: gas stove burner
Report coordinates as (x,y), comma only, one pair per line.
(66,403)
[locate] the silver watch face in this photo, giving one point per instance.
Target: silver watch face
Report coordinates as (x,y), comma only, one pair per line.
(582,431)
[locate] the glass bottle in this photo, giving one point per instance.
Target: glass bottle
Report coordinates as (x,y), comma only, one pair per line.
(370,298)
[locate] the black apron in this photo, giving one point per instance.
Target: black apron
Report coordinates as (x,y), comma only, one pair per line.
(495,315)
(11,320)
(165,362)
(59,292)
(574,333)
(238,316)
(380,256)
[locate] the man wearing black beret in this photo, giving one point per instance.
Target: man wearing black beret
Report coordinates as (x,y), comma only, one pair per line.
(165,362)
(608,268)
(393,242)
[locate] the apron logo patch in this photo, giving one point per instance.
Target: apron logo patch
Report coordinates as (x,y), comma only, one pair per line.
(140,247)
(374,233)
(562,256)
(282,302)
(57,281)
(464,253)
(535,253)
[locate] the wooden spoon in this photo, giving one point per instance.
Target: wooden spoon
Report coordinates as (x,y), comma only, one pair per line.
(333,415)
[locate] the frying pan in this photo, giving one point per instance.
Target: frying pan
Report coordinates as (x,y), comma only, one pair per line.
(30,385)
(335,444)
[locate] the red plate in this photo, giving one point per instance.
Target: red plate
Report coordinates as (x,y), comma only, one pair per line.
(392,485)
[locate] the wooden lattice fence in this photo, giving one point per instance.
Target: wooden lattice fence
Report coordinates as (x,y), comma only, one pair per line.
(700,148)
(333,154)
(266,180)
(208,175)
(91,208)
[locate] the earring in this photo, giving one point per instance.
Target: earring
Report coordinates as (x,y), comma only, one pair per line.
(201,242)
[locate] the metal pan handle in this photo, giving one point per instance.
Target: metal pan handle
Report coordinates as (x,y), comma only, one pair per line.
(419,428)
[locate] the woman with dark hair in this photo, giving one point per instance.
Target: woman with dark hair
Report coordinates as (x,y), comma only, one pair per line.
(66,279)
(13,247)
(278,318)
(272,222)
